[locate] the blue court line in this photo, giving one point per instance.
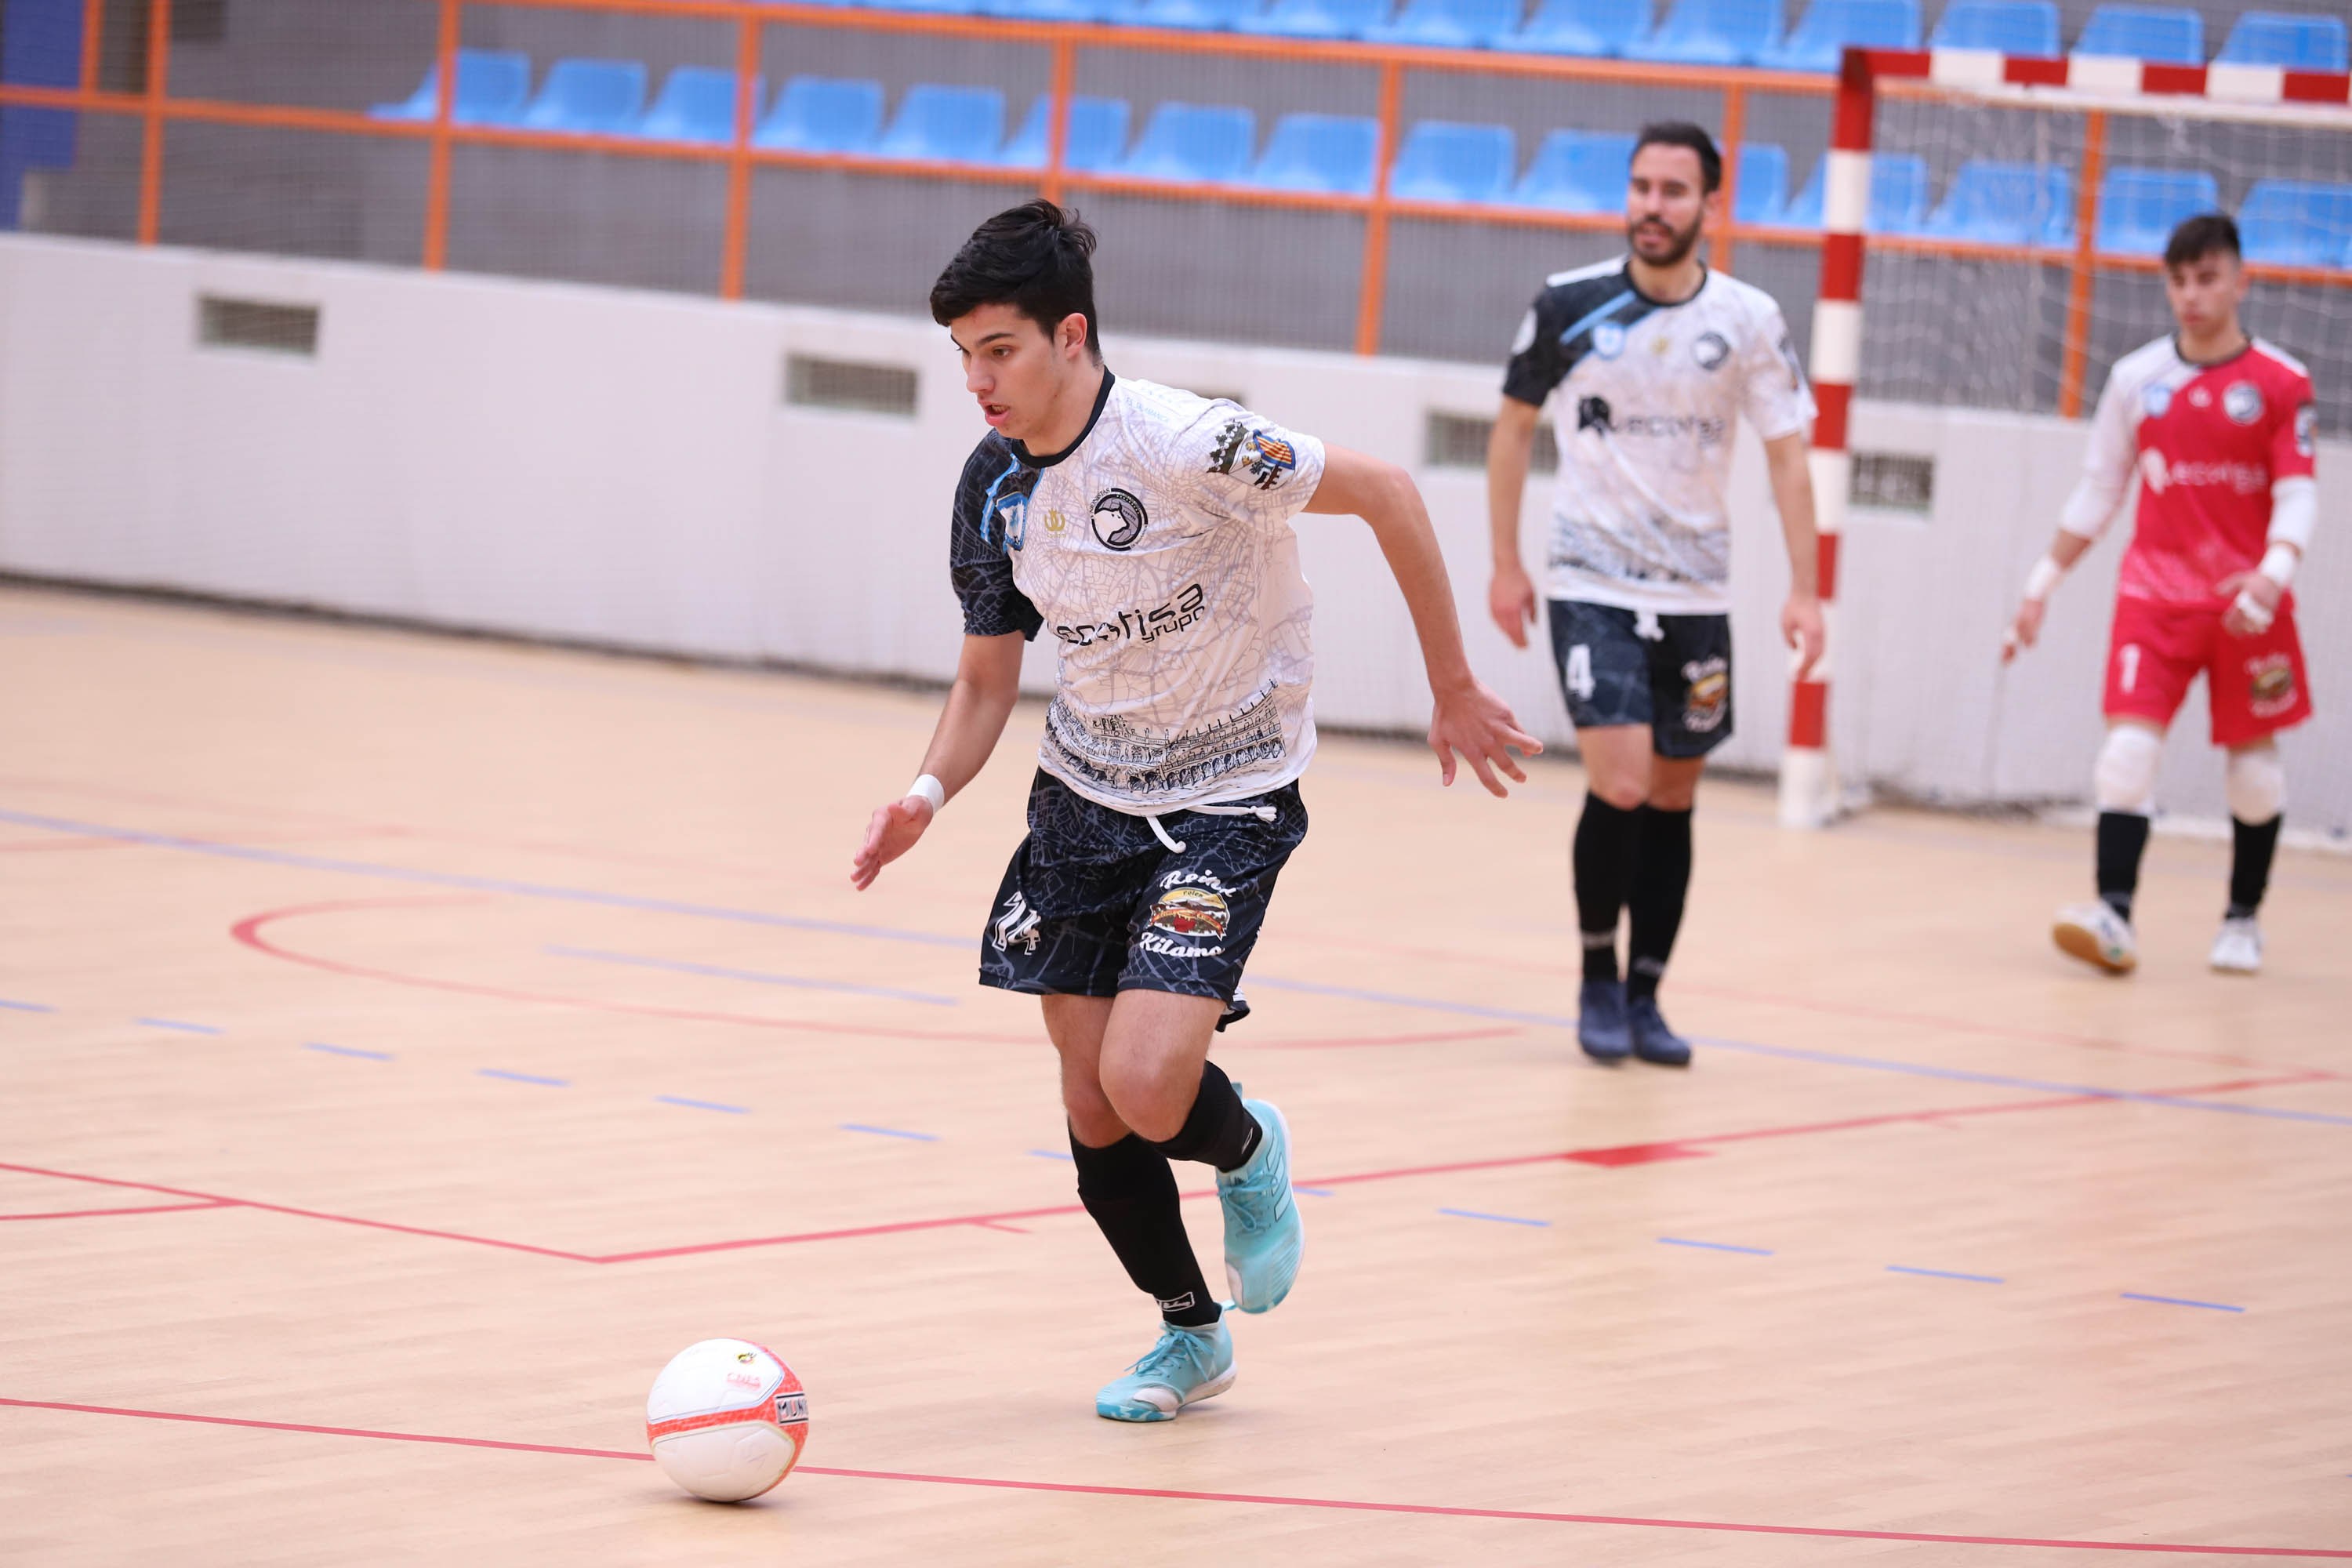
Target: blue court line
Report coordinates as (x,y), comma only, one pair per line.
(523,1077)
(889,1132)
(25,1006)
(1053,1155)
(1501,1218)
(175,1024)
(703,1104)
(1716,1246)
(1391,999)
(2181,1301)
(1946,1274)
(756,976)
(1326,1192)
(348,1051)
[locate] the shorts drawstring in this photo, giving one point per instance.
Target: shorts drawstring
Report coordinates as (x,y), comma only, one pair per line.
(1176,847)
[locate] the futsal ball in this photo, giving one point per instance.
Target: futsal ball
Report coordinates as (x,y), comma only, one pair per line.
(726,1419)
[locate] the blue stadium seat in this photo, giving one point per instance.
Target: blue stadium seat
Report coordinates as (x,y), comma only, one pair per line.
(1193,141)
(1328,152)
(1577,172)
(1819,41)
(2145,33)
(1763,188)
(1061,10)
(947,125)
(1583,28)
(2299,42)
(1317,18)
(2011,26)
(1443,161)
(589,98)
(1199,16)
(2296,222)
(1898,196)
(949,7)
(1712,32)
(2139,208)
(1452,24)
(492,89)
(2007,204)
(823,114)
(698,104)
(1096,134)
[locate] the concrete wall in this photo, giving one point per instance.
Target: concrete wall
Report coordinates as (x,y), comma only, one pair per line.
(618,467)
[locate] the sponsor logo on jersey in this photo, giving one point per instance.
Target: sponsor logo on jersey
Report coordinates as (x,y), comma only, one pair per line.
(2243,402)
(1593,414)
(1016,926)
(1120,518)
(1142,626)
(2199,398)
(1608,339)
(1710,694)
(1191,913)
(2154,399)
(2246,479)
(2306,427)
(2269,684)
(1055,523)
(1711,350)
(1660,345)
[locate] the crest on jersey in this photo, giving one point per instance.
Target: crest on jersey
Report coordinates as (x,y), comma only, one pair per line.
(1267,457)
(1711,350)
(2306,427)
(2242,403)
(2154,400)
(1608,339)
(1120,518)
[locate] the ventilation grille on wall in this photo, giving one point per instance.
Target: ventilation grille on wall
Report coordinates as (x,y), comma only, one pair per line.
(1891,483)
(1459,441)
(258,324)
(841,383)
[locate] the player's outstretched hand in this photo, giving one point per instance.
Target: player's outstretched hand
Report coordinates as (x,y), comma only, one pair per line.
(891,833)
(1511,600)
(1800,629)
(1476,722)
(2022,631)
(2254,602)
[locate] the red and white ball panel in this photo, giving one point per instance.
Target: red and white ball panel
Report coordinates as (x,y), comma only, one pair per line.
(726,1419)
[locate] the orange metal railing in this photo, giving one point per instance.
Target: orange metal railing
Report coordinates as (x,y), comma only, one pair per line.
(156,108)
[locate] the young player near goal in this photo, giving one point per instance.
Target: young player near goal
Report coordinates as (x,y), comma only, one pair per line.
(2219,427)
(1149,531)
(1654,358)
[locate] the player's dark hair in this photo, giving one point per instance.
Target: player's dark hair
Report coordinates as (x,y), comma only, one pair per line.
(1034,258)
(1683,134)
(2200,237)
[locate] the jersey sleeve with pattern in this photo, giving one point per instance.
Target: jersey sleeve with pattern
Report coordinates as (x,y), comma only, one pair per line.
(1254,470)
(978,561)
(1536,364)
(1779,402)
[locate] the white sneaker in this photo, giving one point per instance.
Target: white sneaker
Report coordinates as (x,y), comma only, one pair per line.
(2238,947)
(2097,935)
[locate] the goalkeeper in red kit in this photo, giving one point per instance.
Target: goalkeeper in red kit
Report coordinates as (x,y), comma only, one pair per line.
(2219,425)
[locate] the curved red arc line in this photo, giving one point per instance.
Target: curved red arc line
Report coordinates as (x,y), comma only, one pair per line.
(1438,1511)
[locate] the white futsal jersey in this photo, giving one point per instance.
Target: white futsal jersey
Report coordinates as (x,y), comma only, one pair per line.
(1649,396)
(1158,552)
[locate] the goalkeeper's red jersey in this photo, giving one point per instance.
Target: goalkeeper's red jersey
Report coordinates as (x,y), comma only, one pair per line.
(2207,441)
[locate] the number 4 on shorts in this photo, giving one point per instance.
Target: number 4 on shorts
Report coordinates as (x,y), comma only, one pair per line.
(1577,675)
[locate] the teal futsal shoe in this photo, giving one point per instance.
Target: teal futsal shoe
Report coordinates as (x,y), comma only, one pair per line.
(1264,1236)
(1186,1367)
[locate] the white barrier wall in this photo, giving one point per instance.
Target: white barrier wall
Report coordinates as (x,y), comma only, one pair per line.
(622,469)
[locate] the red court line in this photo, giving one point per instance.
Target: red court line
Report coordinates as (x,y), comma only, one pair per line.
(1426,1510)
(152,1208)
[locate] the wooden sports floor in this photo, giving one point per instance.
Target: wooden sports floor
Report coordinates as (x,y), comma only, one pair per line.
(409,1043)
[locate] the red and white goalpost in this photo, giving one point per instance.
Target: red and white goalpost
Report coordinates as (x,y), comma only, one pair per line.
(2084,91)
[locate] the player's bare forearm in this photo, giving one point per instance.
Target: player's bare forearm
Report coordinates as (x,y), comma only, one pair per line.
(2067,548)
(987,684)
(1510,596)
(1466,717)
(1792,496)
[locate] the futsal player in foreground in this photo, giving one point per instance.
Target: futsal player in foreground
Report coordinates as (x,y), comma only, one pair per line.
(1149,531)
(1654,358)
(2219,425)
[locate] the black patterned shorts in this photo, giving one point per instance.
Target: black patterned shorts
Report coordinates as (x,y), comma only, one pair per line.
(1622,667)
(1095,904)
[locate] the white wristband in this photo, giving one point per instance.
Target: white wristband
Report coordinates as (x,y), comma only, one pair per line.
(2279,563)
(2043,577)
(930,789)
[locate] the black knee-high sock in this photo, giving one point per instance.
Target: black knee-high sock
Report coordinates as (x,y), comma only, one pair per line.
(2252,846)
(1662,868)
(1219,1130)
(1131,1194)
(1606,839)
(2122,836)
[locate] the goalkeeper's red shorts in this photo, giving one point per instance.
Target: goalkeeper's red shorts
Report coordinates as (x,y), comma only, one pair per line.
(2255,686)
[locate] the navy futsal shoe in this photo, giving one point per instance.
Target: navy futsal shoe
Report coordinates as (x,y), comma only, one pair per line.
(1601,1026)
(1652,1041)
